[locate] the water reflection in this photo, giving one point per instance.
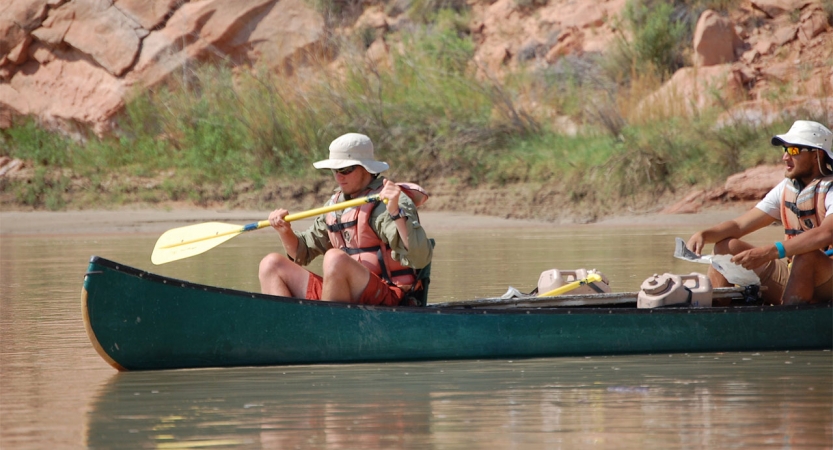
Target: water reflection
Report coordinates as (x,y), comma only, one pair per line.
(659,401)
(56,392)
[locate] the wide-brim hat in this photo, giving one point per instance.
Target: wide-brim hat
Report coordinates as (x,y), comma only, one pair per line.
(806,133)
(352,149)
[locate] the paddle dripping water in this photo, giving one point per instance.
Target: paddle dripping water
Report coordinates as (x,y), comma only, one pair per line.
(57,392)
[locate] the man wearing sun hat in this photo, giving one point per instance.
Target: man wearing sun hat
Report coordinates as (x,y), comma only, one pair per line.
(373,254)
(796,269)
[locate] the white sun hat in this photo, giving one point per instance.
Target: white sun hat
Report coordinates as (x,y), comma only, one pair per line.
(352,149)
(805,133)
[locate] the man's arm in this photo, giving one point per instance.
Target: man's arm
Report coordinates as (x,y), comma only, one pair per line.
(811,240)
(750,221)
(311,243)
(406,237)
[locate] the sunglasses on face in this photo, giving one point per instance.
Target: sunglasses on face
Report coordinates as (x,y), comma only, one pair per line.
(794,151)
(345,170)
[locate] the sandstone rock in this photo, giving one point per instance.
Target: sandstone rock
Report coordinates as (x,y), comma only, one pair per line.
(147,13)
(561,26)
(19,54)
(241,31)
(16,18)
(288,33)
(40,90)
(774,8)
(785,35)
(750,185)
(754,183)
(55,27)
(715,40)
(40,53)
(813,23)
(778,71)
(764,47)
(750,56)
(92,19)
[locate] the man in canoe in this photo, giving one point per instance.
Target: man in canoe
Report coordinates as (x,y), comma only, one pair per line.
(372,253)
(803,203)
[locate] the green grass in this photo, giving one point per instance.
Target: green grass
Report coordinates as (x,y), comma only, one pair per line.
(429,113)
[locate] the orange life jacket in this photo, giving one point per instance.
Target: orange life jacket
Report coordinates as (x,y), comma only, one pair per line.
(804,210)
(352,232)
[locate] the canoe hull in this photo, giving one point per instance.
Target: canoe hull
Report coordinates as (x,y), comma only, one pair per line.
(141,321)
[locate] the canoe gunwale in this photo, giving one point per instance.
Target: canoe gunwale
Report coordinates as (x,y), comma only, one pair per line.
(498,306)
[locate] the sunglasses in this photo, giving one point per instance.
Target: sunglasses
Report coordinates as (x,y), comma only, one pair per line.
(345,170)
(794,151)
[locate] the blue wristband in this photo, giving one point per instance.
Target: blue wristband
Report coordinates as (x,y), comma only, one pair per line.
(781,252)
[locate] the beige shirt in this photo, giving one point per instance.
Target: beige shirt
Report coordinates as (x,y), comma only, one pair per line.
(315,241)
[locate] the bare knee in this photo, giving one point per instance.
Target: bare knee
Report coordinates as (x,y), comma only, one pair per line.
(724,247)
(731,246)
(271,264)
(334,261)
(813,266)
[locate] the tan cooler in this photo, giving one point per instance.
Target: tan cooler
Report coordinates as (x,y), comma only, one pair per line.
(669,289)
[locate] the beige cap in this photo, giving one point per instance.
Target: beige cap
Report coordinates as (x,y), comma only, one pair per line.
(805,133)
(352,149)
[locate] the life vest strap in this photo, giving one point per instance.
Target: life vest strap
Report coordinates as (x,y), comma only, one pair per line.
(355,251)
(336,227)
(798,211)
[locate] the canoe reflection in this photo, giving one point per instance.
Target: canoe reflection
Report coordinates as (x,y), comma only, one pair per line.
(645,401)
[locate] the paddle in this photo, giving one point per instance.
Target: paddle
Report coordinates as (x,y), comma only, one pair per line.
(592,278)
(184,242)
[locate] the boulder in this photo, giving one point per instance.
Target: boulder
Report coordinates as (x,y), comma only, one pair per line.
(754,183)
(715,40)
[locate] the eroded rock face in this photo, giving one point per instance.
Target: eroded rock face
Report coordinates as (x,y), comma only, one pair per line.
(76,61)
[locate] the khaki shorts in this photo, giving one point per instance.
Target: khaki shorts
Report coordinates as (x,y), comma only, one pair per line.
(778,272)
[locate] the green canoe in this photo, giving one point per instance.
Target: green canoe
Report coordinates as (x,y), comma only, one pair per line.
(140,321)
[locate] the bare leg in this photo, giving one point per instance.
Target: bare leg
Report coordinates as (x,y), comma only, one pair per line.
(772,294)
(808,270)
(280,276)
(344,278)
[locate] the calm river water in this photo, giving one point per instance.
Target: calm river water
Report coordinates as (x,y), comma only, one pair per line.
(56,392)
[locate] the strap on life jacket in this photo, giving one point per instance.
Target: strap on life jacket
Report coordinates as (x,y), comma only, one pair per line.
(803,208)
(418,294)
(355,237)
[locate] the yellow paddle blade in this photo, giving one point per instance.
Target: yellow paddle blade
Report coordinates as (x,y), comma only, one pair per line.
(592,278)
(192,240)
